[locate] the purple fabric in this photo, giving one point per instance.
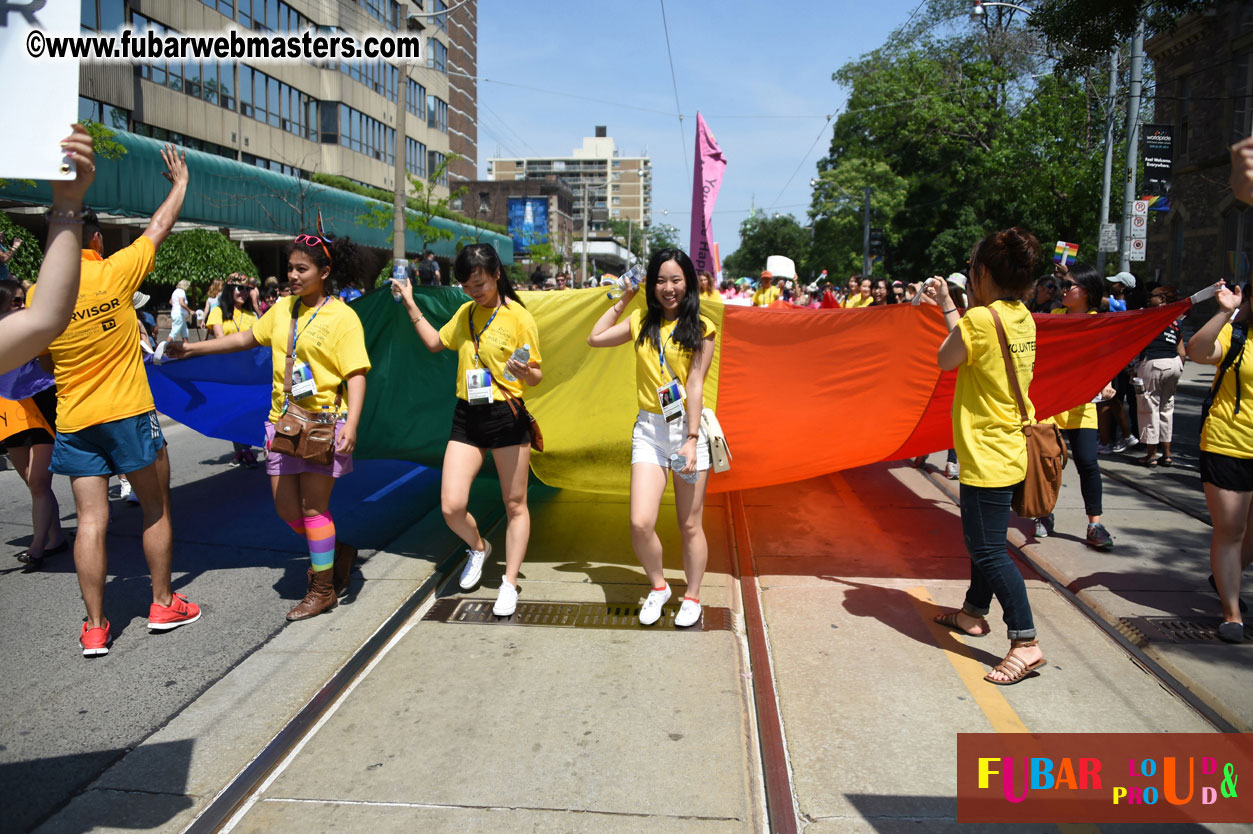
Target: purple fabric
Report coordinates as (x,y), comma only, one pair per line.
(280,464)
(26,381)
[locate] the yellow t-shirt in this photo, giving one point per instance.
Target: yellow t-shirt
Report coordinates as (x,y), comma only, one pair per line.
(987,426)
(765,296)
(97,362)
(858,300)
(1081,416)
(711,298)
(512,328)
(1225,432)
(648,373)
(239,321)
(329,339)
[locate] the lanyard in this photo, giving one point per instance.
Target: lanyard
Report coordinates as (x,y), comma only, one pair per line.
(306,327)
(661,354)
(476,336)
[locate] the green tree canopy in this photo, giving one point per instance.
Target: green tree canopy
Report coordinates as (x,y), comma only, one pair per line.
(199,256)
(762,236)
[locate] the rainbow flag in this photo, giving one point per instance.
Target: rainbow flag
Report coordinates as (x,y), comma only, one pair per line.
(1065,253)
(799,392)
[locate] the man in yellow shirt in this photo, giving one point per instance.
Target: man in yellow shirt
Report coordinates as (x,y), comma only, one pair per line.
(106,422)
(766,293)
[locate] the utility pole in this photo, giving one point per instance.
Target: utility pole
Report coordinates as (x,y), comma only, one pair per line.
(586,214)
(1107,174)
(398,206)
(1133,144)
(865,235)
(628,237)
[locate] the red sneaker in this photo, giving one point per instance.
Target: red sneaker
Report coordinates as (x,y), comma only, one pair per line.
(95,641)
(178,612)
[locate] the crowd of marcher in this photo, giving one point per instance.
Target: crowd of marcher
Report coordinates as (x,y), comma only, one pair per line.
(102,421)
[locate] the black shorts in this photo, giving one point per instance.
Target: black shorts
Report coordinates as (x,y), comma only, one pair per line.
(1226,472)
(489,426)
(46,402)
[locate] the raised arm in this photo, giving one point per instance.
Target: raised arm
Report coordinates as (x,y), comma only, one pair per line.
(163,219)
(426,331)
(1203,347)
(605,333)
(226,344)
(26,333)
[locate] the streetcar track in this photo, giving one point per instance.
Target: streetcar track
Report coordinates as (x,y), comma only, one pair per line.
(242,791)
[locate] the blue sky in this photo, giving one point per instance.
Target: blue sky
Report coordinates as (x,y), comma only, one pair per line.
(770,62)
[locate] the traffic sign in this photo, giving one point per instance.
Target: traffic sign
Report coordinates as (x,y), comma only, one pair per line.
(1139,208)
(1138,250)
(1139,227)
(1109,238)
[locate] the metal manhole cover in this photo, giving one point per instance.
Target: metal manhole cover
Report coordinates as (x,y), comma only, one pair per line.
(569,615)
(1171,629)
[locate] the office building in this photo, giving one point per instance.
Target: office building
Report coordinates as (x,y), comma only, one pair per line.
(618,187)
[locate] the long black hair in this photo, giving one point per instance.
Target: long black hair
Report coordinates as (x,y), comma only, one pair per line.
(889,298)
(688,332)
(483,256)
(1088,279)
(226,301)
(8,289)
(341,255)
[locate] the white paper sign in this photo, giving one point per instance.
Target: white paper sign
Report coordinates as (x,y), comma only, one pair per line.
(1139,208)
(1109,238)
(1138,249)
(1139,227)
(40,94)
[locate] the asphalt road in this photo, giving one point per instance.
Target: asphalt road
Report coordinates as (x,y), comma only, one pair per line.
(67,718)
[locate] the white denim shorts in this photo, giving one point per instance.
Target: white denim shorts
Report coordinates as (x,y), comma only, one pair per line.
(654,440)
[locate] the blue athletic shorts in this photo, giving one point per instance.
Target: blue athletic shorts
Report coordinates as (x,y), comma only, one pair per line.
(114,448)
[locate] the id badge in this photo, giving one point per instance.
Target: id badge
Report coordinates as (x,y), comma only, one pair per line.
(302,383)
(479,386)
(671,397)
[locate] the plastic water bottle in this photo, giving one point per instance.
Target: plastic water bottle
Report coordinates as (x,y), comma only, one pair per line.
(400,272)
(628,280)
(523,355)
(677,462)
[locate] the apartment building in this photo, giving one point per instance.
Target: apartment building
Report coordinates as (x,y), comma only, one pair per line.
(617,187)
(295,118)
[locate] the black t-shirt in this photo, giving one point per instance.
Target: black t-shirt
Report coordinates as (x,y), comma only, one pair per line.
(1165,345)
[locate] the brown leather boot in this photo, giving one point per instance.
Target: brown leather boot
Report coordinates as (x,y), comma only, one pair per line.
(345,555)
(320,597)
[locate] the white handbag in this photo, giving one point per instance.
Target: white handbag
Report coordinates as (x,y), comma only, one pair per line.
(719,451)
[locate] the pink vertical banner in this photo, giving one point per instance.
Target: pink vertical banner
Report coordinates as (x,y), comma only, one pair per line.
(708,169)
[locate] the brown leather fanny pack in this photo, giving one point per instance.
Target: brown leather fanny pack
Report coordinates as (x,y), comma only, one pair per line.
(298,431)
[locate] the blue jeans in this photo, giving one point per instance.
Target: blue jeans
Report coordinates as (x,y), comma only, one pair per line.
(985,520)
(1082,443)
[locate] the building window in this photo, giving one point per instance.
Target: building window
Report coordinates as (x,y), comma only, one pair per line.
(434,160)
(358,132)
(1242,98)
(1237,243)
(415,158)
(441,20)
(415,99)
(105,114)
(437,114)
(103,15)
(438,59)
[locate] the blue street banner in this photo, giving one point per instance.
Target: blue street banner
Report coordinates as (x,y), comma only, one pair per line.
(528,222)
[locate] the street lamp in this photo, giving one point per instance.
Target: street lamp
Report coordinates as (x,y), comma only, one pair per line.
(976,13)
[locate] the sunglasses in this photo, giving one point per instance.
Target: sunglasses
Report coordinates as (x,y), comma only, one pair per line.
(19,301)
(1066,285)
(314,240)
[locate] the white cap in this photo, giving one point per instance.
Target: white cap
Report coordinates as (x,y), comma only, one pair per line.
(1125,278)
(138,299)
(958,279)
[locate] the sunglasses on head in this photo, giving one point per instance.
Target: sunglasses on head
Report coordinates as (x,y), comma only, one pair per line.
(314,240)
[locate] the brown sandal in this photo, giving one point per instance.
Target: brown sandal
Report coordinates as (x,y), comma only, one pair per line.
(949,621)
(1012,667)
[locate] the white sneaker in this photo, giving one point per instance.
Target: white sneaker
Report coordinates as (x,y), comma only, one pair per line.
(124,489)
(131,497)
(473,570)
(506,600)
(950,471)
(1125,444)
(689,613)
(651,610)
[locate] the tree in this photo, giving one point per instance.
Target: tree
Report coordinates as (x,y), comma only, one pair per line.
(1090,30)
(658,235)
(199,256)
(762,236)
(422,208)
(838,207)
(25,263)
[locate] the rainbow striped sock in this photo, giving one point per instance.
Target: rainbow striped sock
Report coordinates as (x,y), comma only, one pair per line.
(320,531)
